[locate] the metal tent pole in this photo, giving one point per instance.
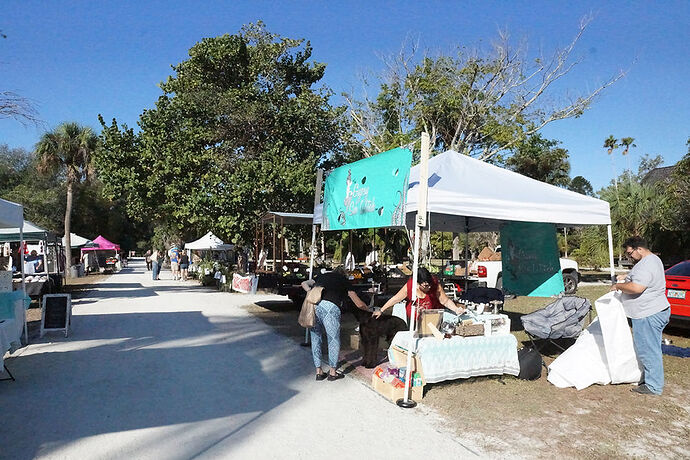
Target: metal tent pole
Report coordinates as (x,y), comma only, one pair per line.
(420,222)
(21,262)
(610,236)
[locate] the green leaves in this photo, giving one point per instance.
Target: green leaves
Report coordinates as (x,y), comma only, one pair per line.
(239,130)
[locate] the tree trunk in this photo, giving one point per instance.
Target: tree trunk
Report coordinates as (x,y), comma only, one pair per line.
(68,229)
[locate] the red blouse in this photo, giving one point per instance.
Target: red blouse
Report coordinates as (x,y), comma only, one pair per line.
(430,301)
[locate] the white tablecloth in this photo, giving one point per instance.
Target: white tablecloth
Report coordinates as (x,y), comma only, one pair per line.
(462,357)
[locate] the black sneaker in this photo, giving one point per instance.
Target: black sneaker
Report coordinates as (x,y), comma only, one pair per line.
(644,390)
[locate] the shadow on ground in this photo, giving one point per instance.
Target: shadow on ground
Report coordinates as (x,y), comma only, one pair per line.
(164,370)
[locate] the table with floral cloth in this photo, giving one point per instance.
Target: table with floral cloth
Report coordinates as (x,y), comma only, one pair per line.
(462,357)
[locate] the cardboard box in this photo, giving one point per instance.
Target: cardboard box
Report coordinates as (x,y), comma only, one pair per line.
(392,393)
(434,317)
(398,358)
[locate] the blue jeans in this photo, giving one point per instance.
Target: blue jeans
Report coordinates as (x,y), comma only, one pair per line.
(154,269)
(647,340)
(327,319)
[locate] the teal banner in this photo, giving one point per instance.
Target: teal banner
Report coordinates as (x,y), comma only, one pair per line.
(529,254)
(368,193)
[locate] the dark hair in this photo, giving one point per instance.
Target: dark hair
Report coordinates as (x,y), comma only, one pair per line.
(635,242)
(423,276)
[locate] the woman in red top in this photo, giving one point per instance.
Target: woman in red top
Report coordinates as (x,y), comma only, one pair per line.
(430,295)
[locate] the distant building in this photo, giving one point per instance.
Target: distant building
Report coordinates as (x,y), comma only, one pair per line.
(662,174)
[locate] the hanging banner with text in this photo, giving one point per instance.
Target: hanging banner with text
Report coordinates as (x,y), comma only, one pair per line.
(531,266)
(368,193)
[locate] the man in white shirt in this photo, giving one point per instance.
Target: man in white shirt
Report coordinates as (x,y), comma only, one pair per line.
(645,303)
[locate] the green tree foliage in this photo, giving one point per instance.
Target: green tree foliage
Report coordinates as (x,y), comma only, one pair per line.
(44,198)
(239,130)
(581,185)
(478,102)
(593,248)
(677,213)
(541,159)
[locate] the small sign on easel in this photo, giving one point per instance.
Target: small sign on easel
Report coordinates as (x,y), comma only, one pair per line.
(56,313)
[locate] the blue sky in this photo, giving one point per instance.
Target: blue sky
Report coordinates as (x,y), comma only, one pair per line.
(77,59)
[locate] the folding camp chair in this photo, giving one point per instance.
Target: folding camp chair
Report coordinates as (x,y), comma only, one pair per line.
(561,319)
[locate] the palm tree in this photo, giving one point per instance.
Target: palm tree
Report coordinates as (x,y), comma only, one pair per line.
(611,143)
(68,150)
(626,142)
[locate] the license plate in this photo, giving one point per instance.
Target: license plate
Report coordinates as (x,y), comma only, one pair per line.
(675,294)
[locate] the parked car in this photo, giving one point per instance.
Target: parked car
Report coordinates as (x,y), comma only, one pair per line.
(678,290)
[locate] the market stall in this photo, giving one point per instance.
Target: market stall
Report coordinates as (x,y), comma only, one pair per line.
(12,303)
(43,258)
(276,273)
(76,243)
(210,248)
(467,195)
(102,255)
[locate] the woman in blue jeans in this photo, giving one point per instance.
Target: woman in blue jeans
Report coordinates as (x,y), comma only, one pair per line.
(327,318)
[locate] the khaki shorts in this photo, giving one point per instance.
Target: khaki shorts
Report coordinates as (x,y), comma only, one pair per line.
(175,266)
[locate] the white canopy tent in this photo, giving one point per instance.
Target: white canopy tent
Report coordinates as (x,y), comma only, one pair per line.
(462,187)
(11,215)
(209,242)
(77,241)
(469,195)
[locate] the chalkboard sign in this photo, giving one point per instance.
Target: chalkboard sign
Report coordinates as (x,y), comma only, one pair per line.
(56,313)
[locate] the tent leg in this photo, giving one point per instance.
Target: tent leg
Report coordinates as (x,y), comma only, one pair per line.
(610,236)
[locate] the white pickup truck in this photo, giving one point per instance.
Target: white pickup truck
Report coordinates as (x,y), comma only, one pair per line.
(490,272)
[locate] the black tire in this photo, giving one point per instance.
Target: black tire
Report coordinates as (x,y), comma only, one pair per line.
(570,283)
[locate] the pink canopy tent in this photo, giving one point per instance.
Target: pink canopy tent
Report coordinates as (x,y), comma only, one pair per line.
(101,245)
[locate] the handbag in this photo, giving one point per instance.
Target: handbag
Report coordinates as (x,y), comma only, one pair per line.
(306,315)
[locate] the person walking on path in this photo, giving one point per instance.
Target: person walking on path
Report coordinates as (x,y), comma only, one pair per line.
(645,303)
(148,260)
(184,265)
(327,318)
(155,255)
(174,255)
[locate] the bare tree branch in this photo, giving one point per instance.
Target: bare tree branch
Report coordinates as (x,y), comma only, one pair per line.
(17,107)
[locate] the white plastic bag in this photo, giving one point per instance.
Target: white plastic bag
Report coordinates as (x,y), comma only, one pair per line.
(618,341)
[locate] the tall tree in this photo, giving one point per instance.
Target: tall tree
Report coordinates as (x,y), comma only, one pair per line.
(541,159)
(626,143)
(581,185)
(68,150)
(477,102)
(239,130)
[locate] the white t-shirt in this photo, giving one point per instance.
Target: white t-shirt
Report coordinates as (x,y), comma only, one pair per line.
(649,272)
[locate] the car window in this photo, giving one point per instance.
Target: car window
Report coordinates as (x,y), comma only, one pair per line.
(682,269)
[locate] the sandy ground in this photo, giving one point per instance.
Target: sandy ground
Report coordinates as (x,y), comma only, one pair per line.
(173,370)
